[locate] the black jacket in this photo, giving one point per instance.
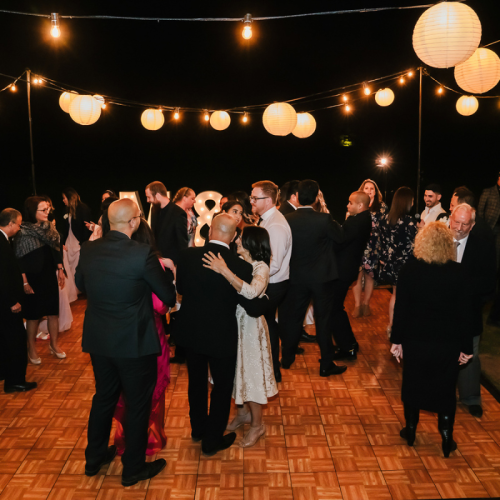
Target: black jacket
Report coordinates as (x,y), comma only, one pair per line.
(11,280)
(314,239)
(118,276)
(286,208)
(78,226)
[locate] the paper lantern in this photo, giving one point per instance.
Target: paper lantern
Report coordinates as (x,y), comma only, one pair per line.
(479,73)
(85,110)
(205,214)
(220,120)
(279,118)
(152,119)
(447,34)
(65,100)
(384,97)
(467,105)
(306,125)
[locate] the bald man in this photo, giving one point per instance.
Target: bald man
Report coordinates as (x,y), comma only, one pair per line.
(206,326)
(118,276)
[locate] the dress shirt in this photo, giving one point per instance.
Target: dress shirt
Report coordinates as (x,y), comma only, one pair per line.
(280,236)
(431,214)
(221,243)
(294,207)
(4,235)
(461,248)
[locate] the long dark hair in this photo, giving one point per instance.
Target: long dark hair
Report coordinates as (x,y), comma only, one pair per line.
(244,200)
(255,239)
(73,200)
(401,204)
(144,234)
(30,208)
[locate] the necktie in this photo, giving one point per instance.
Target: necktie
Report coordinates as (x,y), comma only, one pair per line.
(260,220)
(457,244)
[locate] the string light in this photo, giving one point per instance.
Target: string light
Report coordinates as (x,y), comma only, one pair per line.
(13,87)
(347,108)
(366,89)
(55,31)
(344,98)
(207,116)
(410,74)
(176,114)
(401,80)
(247,27)
(440,90)
(245,118)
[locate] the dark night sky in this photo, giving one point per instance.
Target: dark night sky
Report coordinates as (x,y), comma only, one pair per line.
(210,65)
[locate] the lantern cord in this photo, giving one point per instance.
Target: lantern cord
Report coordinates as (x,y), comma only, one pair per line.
(492,43)
(426,73)
(13,78)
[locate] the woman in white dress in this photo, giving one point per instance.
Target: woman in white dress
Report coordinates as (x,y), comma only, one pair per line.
(254,380)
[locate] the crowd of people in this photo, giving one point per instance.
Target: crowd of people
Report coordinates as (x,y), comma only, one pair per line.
(270,260)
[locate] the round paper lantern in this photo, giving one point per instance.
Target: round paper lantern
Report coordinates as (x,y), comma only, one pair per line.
(152,119)
(467,105)
(447,34)
(220,120)
(65,100)
(306,125)
(279,118)
(85,110)
(384,97)
(479,73)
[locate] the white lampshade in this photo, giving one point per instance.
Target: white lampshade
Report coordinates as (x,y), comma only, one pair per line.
(279,118)
(479,73)
(152,119)
(384,97)
(467,105)
(306,125)
(85,110)
(65,100)
(220,120)
(447,34)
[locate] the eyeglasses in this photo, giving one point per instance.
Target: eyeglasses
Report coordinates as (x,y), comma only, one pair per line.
(140,216)
(255,198)
(46,210)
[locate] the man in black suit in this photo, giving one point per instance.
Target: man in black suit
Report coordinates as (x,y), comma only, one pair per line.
(289,198)
(357,229)
(207,328)
(313,271)
(476,253)
(118,276)
(13,352)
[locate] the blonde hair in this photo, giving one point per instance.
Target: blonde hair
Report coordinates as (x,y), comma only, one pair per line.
(185,191)
(434,244)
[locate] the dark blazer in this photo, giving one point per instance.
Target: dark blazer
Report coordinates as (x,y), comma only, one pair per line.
(11,280)
(286,208)
(314,236)
(357,231)
(33,262)
(206,321)
(489,206)
(118,275)
(169,226)
(78,226)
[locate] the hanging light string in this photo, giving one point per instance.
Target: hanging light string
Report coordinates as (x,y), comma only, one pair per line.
(426,73)
(492,43)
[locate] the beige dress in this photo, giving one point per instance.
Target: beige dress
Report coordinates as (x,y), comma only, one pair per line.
(254,378)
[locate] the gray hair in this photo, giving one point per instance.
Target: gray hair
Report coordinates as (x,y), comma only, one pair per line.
(468,208)
(8,215)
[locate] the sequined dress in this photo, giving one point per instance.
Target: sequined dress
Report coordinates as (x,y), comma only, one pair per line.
(254,378)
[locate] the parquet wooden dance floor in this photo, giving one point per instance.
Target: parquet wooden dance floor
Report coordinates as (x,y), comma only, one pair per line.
(334,438)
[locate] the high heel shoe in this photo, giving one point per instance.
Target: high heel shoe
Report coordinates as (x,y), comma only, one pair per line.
(248,443)
(445,426)
(238,421)
(411,417)
(36,361)
(60,355)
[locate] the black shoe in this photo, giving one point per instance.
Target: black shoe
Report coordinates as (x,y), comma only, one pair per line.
(409,434)
(286,365)
(355,346)
(305,337)
(445,427)
(196,438)
(333,370)
(110,454)
(474,410)
(178,360)
(27,386)
(150,469)
(225,443)
(348,355)
(277,376)
(299,350)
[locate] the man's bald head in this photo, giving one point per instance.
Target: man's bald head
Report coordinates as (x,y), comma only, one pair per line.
(124,216)
(359,201)
(223,228)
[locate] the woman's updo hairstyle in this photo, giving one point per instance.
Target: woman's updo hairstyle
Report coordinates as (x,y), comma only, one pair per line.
(255,239)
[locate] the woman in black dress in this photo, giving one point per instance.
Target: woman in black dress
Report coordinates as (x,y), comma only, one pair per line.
(37,247)
(432,331)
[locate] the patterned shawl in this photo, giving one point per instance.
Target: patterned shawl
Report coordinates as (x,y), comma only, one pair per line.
(33,236)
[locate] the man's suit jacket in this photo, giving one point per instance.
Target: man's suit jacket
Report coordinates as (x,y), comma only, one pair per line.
(78,226)
(206,321)
(357,232)
(11,280)
(169,226)
(314,236)
(286,208)
(489,206)
(118,275)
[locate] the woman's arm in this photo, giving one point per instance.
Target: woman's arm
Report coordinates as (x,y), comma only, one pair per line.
(218,264)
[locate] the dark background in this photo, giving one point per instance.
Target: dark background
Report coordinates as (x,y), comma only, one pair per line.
(209,65)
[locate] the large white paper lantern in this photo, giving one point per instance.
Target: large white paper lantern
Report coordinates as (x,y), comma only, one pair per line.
(467,105)
(306,125)
(65,100)
(479,73)
(384,97)
(447,34)
(220,120)
(85,110)
(152,119)
(279,118)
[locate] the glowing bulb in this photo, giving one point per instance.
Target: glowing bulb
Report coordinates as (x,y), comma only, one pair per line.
(367,90)
(176,114)
(410,74)
(383,161)
(401,80)
(103,106)
(208,216)
(344,97)
(440,90)
(245,118)
(207,117)
(35,80)
(247,32)
(13,88)
(347,108)
(54,22)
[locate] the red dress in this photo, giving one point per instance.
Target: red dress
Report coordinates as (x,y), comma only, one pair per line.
(156,431)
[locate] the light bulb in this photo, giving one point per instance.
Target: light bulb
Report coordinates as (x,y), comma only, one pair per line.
(247,32)
(54,22)
(206,116)
(347,108)
(245,118)
(401,80)
(440,90)
(103,106)
(35,80)
(176,114)
(410,74)
(55,32)
(366,90)
(344,97)
(383,161)
(13,87)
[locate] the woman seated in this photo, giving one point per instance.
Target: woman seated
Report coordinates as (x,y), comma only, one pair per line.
(254,380)
(432,330)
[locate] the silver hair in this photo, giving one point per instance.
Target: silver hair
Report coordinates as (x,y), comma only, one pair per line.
(466,206)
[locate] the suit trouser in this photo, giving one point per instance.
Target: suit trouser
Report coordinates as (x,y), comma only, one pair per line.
(469,378)
(136,378)
(295,307)
(342,331)
(276,293)
(210,426)
(13,347)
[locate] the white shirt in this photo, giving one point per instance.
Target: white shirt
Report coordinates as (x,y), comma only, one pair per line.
(431,214)
(4,234)
(461,248)
(294,207)
(221,243)
(280,236)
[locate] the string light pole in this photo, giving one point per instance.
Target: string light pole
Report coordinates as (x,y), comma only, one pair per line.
(420,69)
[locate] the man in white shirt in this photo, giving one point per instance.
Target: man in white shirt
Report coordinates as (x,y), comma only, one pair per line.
(263,199)
(432,197)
